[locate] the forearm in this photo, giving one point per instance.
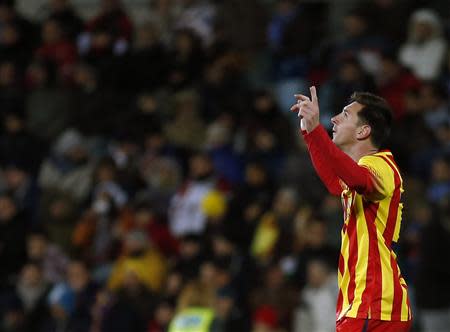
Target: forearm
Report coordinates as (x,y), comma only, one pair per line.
(326,174)
(328,159)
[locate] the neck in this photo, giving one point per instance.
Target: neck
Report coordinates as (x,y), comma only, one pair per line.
(357,151)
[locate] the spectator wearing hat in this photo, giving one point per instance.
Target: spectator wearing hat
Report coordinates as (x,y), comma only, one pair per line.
(198,16)
(424,51)
(68,170)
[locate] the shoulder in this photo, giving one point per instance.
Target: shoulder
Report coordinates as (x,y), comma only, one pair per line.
(377,163)
(383,169)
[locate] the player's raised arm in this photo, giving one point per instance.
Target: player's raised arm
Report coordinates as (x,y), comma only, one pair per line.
(308,111)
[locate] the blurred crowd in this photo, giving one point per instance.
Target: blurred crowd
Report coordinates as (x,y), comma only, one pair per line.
(154,167)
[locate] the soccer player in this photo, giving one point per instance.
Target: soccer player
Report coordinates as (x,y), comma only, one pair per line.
(373,295)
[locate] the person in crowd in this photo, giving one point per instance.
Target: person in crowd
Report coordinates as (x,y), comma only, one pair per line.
(317,299)
(44,119)
(64,12)
(185,212)
(424,51)
(27,300)
(57,49)
(53,261)
(433,293)
(12,239)
(139,258)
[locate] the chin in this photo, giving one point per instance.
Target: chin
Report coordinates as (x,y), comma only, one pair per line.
(336,142)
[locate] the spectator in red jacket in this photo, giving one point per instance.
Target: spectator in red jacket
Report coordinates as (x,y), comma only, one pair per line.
(57,48)
(394,82)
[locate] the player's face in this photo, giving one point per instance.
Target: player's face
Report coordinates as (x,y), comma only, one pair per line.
(345,125)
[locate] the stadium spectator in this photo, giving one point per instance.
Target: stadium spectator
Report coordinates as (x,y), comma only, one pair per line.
(53,261)
(63,12)
(316,309)
(185,214)
(393,82)
(111,17)
(12,239)
(138,260)
(433,293)
(48,108)
(57,49)
(425,49)
(198,16)
(24,307)
(274,235)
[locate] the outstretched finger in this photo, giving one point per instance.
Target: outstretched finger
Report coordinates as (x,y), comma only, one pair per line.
(295,107)
(301,97)
(313,92)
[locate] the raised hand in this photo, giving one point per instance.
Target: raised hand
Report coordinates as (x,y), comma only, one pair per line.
(308,110)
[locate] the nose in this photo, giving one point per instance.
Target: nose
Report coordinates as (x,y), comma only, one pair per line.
(334,119)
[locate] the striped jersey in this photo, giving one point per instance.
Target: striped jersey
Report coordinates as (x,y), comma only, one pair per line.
(370,282)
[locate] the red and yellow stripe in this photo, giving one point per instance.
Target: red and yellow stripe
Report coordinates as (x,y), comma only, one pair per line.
(369,278)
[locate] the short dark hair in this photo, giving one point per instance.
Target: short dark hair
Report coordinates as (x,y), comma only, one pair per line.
(377,113)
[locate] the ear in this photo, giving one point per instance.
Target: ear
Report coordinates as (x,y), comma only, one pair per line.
(363,132)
